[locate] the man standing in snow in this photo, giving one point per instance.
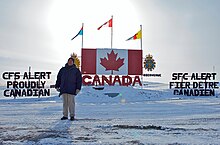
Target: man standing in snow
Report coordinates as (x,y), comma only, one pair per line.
(69,82)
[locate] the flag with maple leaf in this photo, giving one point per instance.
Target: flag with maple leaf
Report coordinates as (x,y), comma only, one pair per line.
(109,22)
(112,61)
(115,63)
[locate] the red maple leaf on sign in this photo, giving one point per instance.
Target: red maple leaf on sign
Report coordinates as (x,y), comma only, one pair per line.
(111,63)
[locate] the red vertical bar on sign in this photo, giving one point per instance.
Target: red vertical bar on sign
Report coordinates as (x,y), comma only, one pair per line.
(134,62)
(88,61)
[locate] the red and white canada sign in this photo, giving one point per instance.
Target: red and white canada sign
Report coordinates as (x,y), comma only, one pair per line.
(103,66)
(111,61)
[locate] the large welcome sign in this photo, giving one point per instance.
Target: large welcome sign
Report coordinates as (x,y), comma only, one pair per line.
(111,66)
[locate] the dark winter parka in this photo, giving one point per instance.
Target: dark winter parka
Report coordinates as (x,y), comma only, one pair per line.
(69,79)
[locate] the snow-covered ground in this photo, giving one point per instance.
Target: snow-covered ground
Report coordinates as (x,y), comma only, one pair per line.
(139,115)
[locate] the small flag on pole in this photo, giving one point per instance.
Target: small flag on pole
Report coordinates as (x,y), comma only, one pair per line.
(79,33)
(109,22)
(138,35)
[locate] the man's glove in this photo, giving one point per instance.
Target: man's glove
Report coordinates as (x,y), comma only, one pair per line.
(77,91)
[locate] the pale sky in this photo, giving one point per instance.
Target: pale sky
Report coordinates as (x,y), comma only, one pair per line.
(182,35)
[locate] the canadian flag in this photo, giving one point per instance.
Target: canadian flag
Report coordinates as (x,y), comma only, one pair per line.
(111,61)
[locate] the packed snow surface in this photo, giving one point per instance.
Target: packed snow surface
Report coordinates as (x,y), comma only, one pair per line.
(115,115)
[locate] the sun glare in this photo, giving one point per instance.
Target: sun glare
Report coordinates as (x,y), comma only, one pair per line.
(66,18)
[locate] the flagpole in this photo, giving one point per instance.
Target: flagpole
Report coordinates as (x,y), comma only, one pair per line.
(142,52)
(82,34)
(112,38)
(141,36)
(112,33)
